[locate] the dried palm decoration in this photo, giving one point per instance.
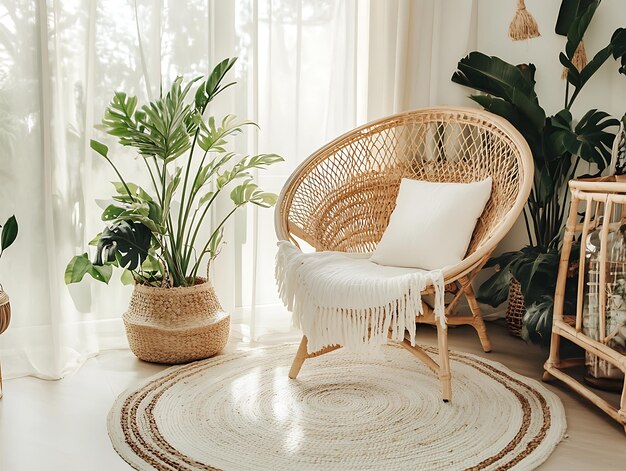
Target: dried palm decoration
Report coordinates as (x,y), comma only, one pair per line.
(570,12)
(579,59)
(524,25)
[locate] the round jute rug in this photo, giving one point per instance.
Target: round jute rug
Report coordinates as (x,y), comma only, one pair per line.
(241,412)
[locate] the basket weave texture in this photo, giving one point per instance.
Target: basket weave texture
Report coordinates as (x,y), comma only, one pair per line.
(5,319)
(517,308)
(5,311)
(342,196)
(176,325)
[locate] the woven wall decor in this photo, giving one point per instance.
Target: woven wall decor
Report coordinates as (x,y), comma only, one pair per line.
(524,25)
(240,412)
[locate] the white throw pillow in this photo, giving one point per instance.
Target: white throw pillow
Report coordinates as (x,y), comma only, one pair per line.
(432,223)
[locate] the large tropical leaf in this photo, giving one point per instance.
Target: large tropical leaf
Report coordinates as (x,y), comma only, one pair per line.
(593,139)
(9,233)
(536,270)
(80,266)
(492,75)
(495,290)
(588,139)
(618,48)
(158,129)
(537,321)
(579,25)
(212,136)
(512,114)
(568,12)
(128,242)
(213,85)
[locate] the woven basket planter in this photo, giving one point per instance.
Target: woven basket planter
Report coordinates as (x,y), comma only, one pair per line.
(516,310)
(5,319)
(176,325)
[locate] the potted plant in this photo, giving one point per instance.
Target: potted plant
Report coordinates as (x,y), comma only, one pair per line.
(7,237)
(559,145)
(153,234)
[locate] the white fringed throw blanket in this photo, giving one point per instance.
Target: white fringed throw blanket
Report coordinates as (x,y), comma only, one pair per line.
(336,297)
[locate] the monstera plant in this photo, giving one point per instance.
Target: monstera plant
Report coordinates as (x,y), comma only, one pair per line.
(559,145)
(158,235)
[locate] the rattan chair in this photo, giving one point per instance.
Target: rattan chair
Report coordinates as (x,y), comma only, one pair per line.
(341,197)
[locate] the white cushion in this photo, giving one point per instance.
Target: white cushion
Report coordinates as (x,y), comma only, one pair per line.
(432,224)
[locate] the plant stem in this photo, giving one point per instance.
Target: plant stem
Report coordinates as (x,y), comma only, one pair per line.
(181,224)
(154,183)
(198,225)
(192,197)
(528,232)
(120,177)
(574,95)
(206,246)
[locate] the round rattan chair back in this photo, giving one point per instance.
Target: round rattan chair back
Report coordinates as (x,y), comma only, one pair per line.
(341,197)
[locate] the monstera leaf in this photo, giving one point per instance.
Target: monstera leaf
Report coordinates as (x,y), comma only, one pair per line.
(534,267)
(537,321)
(126,242)
(589,139)
(80,266)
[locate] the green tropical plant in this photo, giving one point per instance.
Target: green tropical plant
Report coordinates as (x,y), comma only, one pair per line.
(558,144)
(186,158)
(8,234)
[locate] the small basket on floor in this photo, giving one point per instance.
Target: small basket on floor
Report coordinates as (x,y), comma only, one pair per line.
(517,308)
(176,325)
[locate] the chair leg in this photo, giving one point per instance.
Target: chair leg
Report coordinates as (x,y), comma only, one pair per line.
(301,355)
(444,363)
(477,322)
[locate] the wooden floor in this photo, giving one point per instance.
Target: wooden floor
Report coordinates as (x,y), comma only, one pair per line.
(61,425)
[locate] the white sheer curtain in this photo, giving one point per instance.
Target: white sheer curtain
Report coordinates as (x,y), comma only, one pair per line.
(326,67)
(307,71)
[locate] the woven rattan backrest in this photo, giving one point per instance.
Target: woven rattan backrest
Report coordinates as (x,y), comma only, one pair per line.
(341,197)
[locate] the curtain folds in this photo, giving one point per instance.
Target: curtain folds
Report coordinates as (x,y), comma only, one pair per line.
(307,72)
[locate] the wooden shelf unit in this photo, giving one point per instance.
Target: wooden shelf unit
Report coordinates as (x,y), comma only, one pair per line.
(597,198)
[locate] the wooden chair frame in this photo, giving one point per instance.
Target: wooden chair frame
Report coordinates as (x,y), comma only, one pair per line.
(328,192)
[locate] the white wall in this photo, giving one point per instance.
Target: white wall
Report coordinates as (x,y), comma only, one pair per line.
(605,91)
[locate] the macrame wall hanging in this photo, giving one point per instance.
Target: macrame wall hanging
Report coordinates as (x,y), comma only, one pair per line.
(523,25)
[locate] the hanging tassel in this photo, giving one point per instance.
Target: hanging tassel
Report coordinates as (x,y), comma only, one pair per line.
(523,25)
(579,60)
